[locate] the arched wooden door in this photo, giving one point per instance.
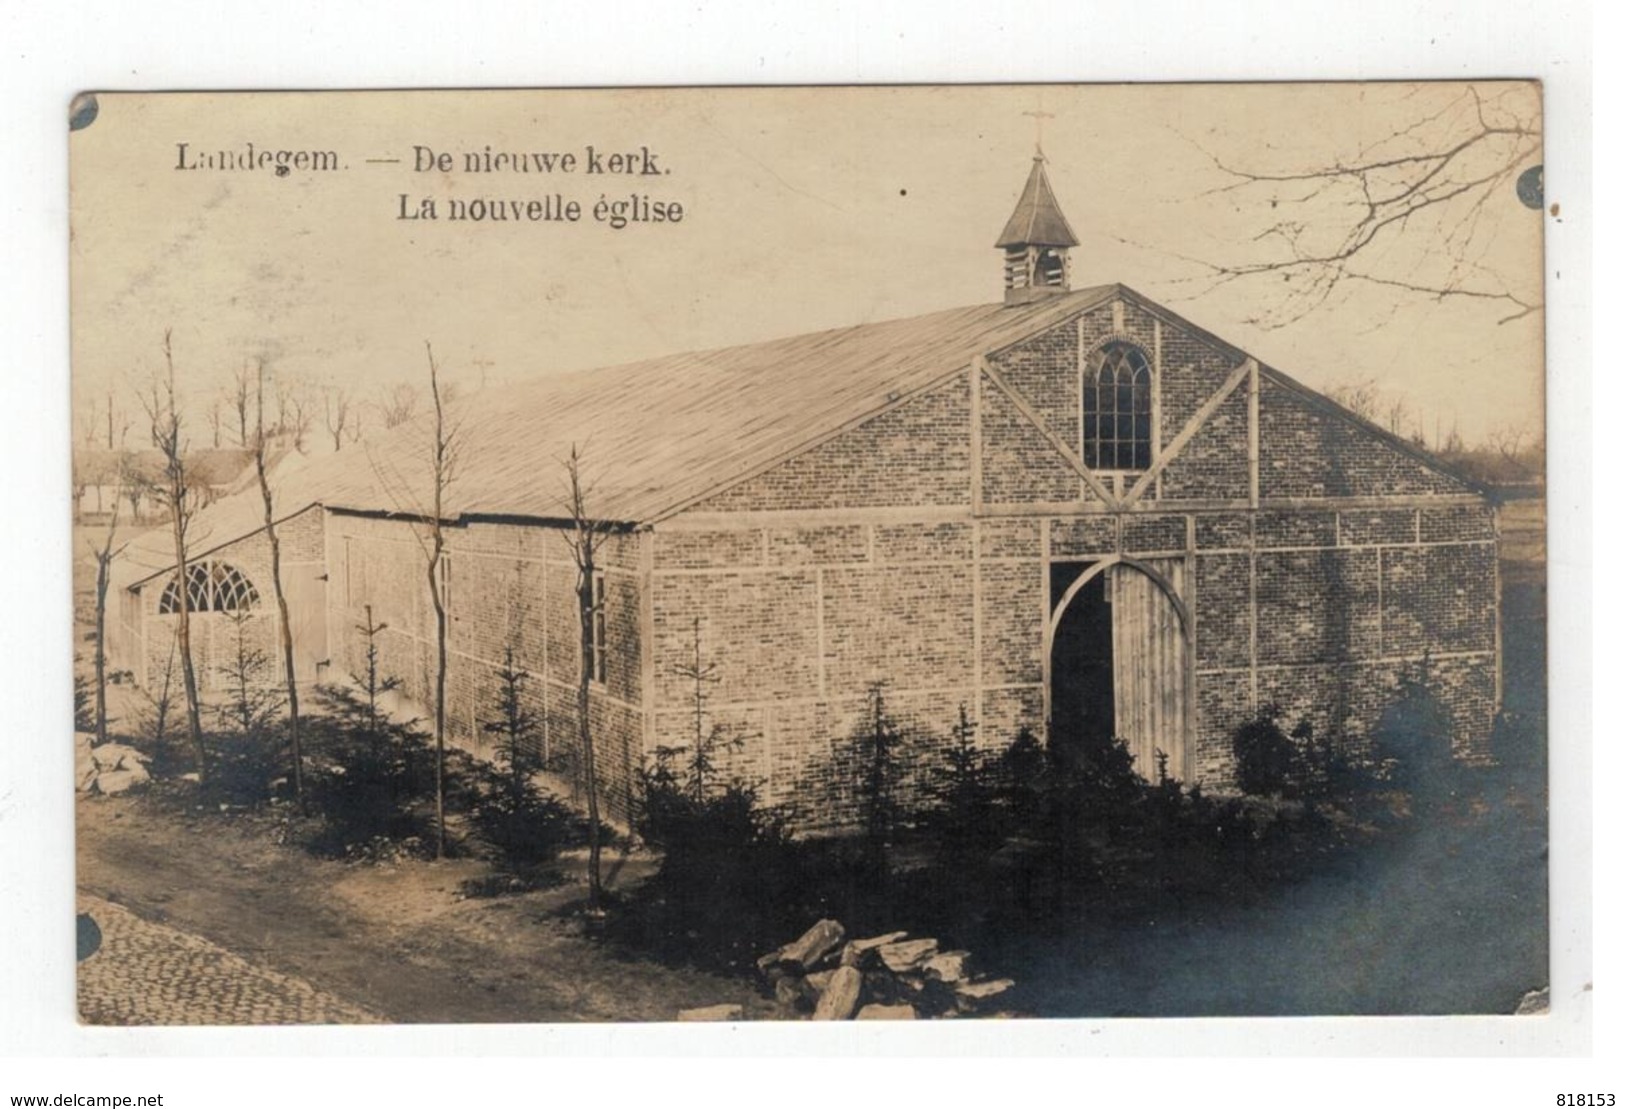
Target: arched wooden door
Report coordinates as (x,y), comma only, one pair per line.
(1119,652)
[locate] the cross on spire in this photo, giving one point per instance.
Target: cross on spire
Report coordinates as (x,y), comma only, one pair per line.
(1038,118)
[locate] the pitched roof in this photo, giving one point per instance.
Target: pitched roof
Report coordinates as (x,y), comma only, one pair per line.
(98,466)
(654,435)
(660,434)
(218,466)
(1037,218)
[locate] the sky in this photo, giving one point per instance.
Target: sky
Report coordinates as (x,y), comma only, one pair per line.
(802,209)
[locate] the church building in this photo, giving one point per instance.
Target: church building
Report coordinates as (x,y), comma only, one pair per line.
(1071,511)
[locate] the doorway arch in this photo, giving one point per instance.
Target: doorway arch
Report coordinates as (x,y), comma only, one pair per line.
(1117,662)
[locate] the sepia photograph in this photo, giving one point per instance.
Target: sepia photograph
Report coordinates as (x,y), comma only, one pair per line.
(815,553)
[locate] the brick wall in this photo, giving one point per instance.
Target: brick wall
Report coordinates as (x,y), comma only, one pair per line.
(916,453)
(951,613)
(1321,609)
(797,623)
(1307,452)
(1346,603)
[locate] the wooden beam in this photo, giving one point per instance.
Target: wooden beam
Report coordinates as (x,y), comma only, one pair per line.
(1192,692)
(1046,612)
(932,514)
(1031,416)
(977,601)
(646,632)
(1156,389)
(1188,432)
(1252,432)
(1252,610)
(975,372)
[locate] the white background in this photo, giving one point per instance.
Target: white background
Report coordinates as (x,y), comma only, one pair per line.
(51,51)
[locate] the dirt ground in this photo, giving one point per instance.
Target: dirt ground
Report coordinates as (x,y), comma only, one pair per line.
(395,940)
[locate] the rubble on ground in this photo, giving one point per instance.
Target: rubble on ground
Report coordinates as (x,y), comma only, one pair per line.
(826,976)
(109,768)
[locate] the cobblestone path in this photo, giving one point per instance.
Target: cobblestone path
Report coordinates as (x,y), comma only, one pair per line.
(146,973)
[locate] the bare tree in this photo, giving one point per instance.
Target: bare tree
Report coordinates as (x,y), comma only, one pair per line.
(214,418)
(584,536)
(398,404)
(294,411)
(445,449)
(1506,440)
(242,391)
(101,423)
(135,487)
(176,492)
(442,464)
(104,554)
(1332,225)
(89,423)
(284,627)
(1400,420)
(338,414)
(1363,398)
(116,418)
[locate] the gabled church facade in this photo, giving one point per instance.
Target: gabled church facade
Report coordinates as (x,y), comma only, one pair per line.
(1073,512)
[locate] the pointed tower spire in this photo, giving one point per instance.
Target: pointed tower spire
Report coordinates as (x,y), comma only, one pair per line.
(1035,241)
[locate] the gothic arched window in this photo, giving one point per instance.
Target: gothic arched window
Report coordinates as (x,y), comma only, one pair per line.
(1117,409)
(210,587)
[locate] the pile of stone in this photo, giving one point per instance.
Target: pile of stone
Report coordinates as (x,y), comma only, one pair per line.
(887,977)
(109,768)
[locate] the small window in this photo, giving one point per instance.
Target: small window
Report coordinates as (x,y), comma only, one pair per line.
(210,587)
(600,627)
(1117,409)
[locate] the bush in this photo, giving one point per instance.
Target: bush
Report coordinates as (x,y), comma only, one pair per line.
(697,831)
(516,728)
(84,708)
(528,830)
(1326,773)
(963,789)
(877,767)
(1413,735)
(525,824)
(729,884)
(246,769)
(1266,758)
(371,776)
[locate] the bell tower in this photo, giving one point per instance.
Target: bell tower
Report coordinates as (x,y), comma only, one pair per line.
(1035,243)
